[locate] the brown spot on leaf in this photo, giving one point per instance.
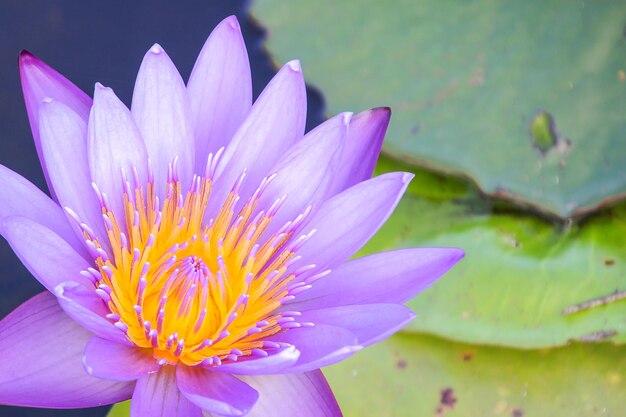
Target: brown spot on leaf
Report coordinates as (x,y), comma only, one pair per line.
(597,336)
(401,364)
(468,356)
(609,262)
(621,75)
(446,402)
(517,412)
(595,302)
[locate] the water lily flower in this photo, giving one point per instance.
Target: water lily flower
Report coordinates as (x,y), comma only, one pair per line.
(196,249)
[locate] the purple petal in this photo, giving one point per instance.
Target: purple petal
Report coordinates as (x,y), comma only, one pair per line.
(220,89)
(116,362)
(41,350)
(86,308)
(64,139)
(388,277)
(215,392)
(18,197)
(348,220)
(275,123)
(367,132)
(303,395)
(274,362)
(114,145)
(156,395)
(369,322)
(48,257)
(319,346)
(40,81)
(163,115)
(304,174)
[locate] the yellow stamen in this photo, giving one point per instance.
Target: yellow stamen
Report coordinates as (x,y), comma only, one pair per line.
(194,291)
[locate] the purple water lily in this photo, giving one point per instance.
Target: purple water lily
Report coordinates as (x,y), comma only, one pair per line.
(196,249)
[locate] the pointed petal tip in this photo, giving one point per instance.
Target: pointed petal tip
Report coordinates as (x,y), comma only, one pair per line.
(156,49)
(458,254)
(383,112)
(26,58)
(100,89)
(294,65)
(232,21)
(376,114)
(346,118)
(407,177)
(450,255)
(28,64)
(59,290)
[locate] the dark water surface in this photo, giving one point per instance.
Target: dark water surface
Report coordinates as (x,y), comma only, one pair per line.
(103,41)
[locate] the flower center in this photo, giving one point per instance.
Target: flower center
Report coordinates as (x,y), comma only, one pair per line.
(195,291)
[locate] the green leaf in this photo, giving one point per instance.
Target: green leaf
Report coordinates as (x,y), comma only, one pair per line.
(120,410)
(519,273)
(525,98)
(410,375)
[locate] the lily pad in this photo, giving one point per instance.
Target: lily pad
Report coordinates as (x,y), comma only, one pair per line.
(411,375)
(519,273)
(425,376)
(527,99)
